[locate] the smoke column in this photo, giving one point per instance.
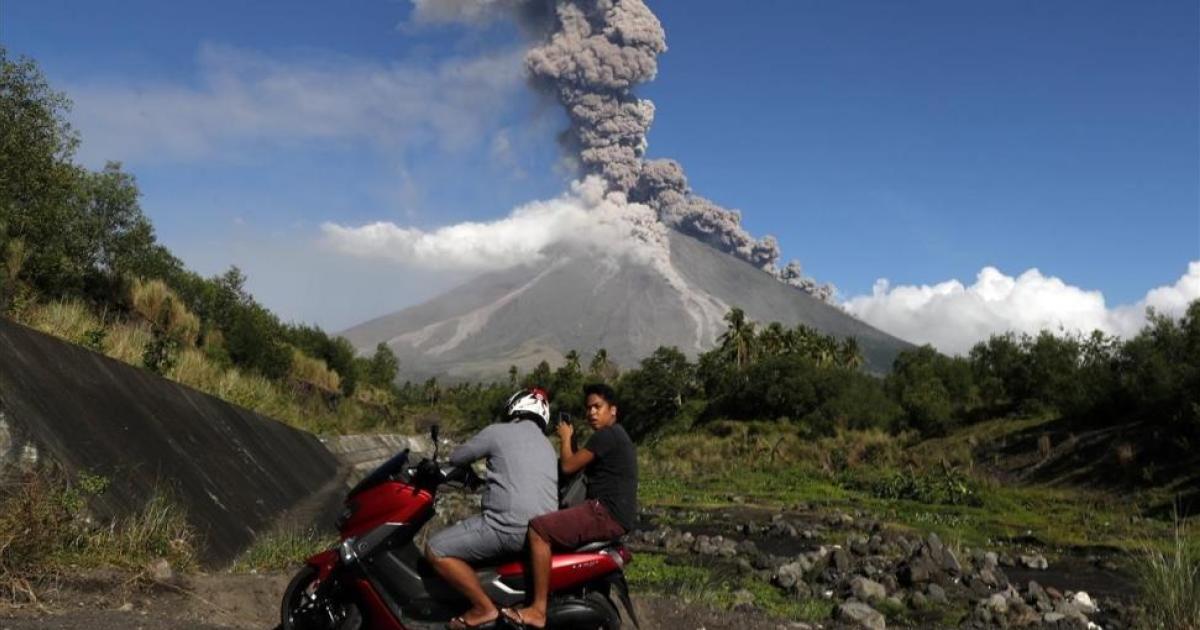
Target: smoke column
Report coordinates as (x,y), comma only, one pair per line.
(590,56)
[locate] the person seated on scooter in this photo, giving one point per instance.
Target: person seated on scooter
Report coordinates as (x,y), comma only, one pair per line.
(610,462)
(522,483)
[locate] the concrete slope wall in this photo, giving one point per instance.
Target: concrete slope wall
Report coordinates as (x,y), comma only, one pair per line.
(233,469)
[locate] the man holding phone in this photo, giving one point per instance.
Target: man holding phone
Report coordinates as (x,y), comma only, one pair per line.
(610,462)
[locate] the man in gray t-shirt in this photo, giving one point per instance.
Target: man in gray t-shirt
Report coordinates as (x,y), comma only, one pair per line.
(522,483)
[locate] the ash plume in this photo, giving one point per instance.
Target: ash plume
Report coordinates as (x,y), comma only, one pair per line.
(590,56)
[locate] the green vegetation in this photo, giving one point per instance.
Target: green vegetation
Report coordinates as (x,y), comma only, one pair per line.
(282,550)
(715,585)
(1170,582)
(45,529)
(897,481)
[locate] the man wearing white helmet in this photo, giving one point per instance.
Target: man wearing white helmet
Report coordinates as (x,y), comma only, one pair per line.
(522,483)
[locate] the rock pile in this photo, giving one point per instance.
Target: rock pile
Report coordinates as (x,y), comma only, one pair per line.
(879,569)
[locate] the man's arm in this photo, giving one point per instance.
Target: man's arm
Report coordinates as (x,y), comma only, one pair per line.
(478,446)
(570,460)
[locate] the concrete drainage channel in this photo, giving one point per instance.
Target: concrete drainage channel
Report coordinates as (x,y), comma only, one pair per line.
(234,471)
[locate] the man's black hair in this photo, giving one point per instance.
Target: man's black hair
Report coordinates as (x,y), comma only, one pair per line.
(602,390)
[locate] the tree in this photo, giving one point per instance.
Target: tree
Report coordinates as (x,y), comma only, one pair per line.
(566,386)
(848,354)
(773,339)
(431,391)
(916,384)
(999,371)
(541,376)
(653,395)
(737,342)
(382,367)
(602,368)
(36,145)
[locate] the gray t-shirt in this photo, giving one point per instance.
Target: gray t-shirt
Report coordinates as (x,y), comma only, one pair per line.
(522,480)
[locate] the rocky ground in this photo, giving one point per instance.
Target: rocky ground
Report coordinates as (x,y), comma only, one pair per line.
(868,572)
(855,571)
(223,601)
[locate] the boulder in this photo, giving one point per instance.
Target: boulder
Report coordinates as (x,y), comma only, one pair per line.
(160,570)
(1084,603)
(839,560)
(860,615)
(788,575)
(867,590)
(1034,561)
(917,570)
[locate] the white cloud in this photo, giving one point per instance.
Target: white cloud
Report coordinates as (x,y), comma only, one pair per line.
(586,216)
(953,317)
(244,99)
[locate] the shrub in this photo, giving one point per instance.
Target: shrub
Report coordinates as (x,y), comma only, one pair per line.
(945,487)
(314,372)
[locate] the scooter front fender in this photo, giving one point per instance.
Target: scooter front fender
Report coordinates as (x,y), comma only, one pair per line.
(324,562)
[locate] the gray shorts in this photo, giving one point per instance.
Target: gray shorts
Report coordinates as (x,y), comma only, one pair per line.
(474,540)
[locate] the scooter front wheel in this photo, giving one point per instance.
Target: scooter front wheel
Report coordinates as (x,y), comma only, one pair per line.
(309,605)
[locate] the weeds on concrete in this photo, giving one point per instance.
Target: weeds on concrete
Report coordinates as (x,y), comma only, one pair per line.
(46,530)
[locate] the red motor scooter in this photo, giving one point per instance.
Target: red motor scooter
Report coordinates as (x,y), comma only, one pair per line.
(376,579)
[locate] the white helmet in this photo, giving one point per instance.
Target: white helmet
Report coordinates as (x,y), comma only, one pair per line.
(532,404)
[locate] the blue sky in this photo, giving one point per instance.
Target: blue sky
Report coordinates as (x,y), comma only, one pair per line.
(918,141)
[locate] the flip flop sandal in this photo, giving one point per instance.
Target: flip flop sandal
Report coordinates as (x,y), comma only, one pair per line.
(460,623)
(514,618)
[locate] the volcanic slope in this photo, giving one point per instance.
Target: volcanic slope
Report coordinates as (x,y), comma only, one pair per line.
(524,315)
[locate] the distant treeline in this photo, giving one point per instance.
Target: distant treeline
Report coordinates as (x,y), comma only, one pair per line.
(68,233)
(813,381)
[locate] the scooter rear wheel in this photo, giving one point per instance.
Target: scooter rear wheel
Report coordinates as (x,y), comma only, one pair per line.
(593,612)
(310,606)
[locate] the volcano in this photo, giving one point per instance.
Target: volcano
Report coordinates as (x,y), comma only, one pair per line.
(584,302)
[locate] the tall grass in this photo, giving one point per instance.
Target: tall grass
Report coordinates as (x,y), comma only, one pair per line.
(282,550)
(314,372)
(162,308)
(126,342)
(65,319)
(159,530)
(45,528)
(1169,582)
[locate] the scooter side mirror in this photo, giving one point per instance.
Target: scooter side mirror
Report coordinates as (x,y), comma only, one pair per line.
(433,435)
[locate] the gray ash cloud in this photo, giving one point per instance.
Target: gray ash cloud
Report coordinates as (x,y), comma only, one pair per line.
(590,55)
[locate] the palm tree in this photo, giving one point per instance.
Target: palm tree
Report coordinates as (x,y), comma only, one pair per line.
(849,355)
(602,367)
(773,339)
(738,339)
(572,361)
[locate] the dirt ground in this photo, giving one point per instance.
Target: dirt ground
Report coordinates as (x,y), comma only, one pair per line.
(223,601)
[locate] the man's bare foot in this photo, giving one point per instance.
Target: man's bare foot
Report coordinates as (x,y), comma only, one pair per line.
(525,617)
